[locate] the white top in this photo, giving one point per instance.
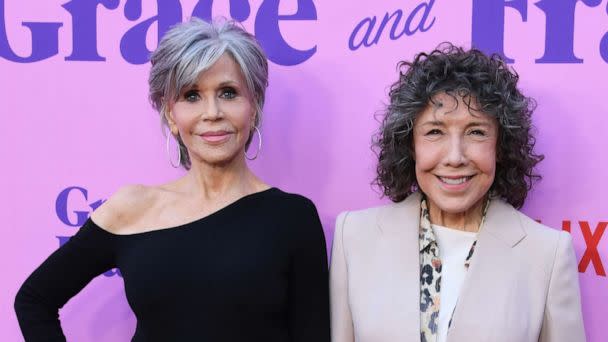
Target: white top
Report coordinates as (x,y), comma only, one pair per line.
(454,247)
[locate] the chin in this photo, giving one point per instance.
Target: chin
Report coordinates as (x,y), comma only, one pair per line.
(220,159)
(216,157)
(453,205)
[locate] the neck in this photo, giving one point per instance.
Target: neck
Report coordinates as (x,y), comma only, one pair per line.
(229,181)
(468,220)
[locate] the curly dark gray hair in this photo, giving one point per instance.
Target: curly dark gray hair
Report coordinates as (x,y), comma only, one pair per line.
(486,84)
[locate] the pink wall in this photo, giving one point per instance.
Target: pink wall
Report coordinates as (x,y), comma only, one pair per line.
(88,124)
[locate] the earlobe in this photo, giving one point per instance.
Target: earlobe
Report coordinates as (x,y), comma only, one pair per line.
(174,130)
(171,123)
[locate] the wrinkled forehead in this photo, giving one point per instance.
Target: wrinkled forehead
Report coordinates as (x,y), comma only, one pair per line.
(224,70)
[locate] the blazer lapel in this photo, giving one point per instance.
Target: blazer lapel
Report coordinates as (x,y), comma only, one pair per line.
(399,224)
(490,271)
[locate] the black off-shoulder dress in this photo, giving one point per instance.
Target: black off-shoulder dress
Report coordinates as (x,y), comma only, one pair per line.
(255,270)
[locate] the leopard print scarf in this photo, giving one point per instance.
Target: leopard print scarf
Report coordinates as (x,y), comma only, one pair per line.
(430,273)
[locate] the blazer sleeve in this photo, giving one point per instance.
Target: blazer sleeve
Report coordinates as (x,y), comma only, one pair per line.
(341,319)
(563,319)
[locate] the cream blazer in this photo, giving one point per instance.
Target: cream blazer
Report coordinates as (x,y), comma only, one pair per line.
(522,284)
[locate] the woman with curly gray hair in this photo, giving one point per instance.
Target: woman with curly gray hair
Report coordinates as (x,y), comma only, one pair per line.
(452,259)
(218,254)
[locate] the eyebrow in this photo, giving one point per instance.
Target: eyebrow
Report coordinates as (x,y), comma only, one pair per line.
(221,85)
(228,83)
(478,123)
(432,123)
(435,123)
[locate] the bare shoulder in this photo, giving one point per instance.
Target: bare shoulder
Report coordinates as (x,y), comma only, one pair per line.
(125,207)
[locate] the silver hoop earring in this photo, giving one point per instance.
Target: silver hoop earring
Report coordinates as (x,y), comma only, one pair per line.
(259,145)
(179,152)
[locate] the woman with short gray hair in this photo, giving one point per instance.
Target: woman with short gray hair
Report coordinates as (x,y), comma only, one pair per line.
(218,254)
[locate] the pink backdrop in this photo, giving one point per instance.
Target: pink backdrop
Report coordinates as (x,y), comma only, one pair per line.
(88,124)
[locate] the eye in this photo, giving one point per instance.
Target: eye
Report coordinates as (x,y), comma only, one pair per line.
(191,96)
(434,131)
(228,93)
(478,132)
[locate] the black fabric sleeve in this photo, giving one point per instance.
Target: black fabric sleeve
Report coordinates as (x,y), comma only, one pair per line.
(308,278)
(61,276)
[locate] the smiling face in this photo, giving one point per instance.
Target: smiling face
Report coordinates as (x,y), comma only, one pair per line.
(455,154)
(215,116)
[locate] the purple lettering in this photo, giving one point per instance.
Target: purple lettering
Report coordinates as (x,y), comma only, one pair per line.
(239,10)
(426,7)
(44,40)
(84,28)
(63,239)
(559,36)
(269,35)
(113,272)
(489,24)
(61,206)
(365,39)
(604,44)
(133,43)
(398,13)
(356,40)
(133,48)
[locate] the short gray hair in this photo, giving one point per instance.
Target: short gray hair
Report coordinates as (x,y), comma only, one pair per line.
(190,48)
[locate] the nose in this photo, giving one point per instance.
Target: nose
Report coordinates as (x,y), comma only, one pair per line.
(211,109)
(456,152)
